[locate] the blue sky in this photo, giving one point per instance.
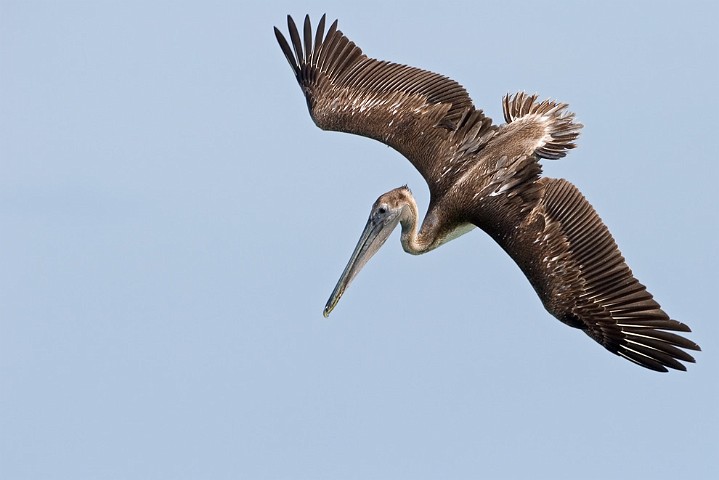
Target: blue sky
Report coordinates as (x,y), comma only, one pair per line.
(172,223)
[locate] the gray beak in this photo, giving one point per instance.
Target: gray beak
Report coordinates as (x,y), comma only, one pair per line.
(373,237)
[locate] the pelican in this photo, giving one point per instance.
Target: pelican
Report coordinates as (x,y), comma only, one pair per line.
(488,176)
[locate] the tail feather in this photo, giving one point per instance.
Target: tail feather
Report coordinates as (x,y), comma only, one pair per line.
(559,124)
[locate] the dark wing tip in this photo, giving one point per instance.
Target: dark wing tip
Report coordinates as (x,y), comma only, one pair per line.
(652,343)
(287,51)
(303,50)
(609,303)
(308,38)
(654,347)
(295,37)
(319,35)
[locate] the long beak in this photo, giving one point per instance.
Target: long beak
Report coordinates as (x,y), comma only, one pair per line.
(373,237)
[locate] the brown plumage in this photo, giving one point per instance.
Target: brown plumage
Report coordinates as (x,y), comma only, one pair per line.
(488,176)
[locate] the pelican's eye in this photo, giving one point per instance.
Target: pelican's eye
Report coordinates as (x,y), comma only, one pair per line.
(382,210)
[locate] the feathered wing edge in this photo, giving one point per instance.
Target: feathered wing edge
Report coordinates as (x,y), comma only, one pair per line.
(337,59)
(421,114)
(327,55)
(609,303)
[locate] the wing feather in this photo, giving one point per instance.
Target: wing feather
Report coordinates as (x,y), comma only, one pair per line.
(504,176)
(393,103)
(295,38)
(580,275)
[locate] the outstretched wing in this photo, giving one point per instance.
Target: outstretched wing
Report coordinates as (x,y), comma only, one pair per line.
(563,247)
(584,281)
(409,109)
(576,268)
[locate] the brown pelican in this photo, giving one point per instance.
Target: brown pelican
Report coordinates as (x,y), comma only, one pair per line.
(487,176)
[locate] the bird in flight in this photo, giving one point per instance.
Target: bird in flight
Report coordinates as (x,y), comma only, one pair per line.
(488,176)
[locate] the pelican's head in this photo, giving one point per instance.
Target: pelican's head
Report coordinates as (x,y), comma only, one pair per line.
(389,209)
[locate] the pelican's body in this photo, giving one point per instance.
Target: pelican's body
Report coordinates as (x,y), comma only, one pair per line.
(487,176)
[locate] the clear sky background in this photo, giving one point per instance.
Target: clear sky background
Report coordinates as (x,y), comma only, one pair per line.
(172,222)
